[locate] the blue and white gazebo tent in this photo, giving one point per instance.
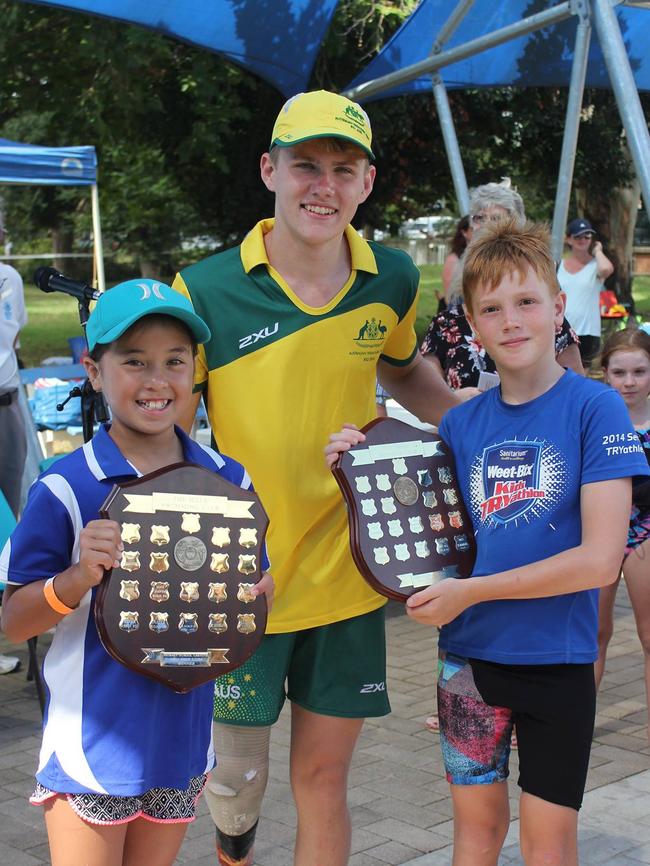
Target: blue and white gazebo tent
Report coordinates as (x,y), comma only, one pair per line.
(56,166)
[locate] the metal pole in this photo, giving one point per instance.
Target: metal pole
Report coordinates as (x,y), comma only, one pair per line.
(451,25)
(452,148)
(445,118)
(571,129)
(97,239)
(625,92)
(462,52)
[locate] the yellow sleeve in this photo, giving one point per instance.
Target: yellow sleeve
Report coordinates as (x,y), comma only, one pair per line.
(401,345)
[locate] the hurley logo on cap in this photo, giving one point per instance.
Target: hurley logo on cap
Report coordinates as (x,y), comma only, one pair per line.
(148,289)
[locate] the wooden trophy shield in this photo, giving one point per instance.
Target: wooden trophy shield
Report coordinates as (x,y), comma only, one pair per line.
(179,607)
(408,525)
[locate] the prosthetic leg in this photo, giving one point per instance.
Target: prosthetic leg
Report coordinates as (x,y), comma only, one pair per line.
(235,789)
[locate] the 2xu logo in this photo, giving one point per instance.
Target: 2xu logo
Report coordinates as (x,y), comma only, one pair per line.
(370,688)
(266,332)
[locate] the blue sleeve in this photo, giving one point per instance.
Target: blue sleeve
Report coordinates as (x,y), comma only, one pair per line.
(446,432)
(42,543)
(443,429)
(236,474)
(610,446)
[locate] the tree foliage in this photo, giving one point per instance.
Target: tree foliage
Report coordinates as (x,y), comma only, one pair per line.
(178,132)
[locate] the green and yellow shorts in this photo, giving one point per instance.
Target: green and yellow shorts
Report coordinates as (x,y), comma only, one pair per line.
(334,670)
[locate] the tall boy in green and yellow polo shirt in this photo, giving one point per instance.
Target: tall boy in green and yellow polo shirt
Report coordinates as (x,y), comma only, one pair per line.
(304,315)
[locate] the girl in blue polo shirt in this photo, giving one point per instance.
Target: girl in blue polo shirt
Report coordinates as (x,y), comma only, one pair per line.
(124,758)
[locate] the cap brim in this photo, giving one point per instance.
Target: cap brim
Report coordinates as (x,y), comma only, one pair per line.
(196,325)
(328,134)
(583,232)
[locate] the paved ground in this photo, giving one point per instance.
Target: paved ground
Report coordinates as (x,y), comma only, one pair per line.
(400,805)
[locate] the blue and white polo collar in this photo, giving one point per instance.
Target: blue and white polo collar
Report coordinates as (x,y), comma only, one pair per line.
(106,461)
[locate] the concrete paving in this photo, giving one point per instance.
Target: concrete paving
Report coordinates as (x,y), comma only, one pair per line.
(401,810)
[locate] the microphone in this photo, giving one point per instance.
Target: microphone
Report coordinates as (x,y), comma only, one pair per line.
(50,280)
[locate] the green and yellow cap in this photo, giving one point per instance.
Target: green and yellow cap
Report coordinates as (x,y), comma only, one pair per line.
(321,114)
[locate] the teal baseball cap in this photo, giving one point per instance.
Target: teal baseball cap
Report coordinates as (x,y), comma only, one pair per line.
(125,304)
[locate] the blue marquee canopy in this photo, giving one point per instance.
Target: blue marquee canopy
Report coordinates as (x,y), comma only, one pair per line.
(276,39)
(280,39)
(32,163)
(543,58)
(507,42)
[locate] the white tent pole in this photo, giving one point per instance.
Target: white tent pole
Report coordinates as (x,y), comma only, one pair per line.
(571,128)
(445,117)
(625,92)
(97,239)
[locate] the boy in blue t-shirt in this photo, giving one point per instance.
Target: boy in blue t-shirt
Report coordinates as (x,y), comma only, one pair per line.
(544,463)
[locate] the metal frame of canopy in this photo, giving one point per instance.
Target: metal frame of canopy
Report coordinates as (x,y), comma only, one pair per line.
(58,178)
(601,12)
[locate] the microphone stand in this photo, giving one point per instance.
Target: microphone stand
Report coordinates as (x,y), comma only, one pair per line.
(93,405)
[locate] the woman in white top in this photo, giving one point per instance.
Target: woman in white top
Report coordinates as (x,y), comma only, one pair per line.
(581,276)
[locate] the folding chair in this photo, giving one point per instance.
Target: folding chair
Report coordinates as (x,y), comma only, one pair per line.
(7,524)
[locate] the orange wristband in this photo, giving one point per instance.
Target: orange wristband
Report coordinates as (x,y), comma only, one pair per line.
(53,600)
